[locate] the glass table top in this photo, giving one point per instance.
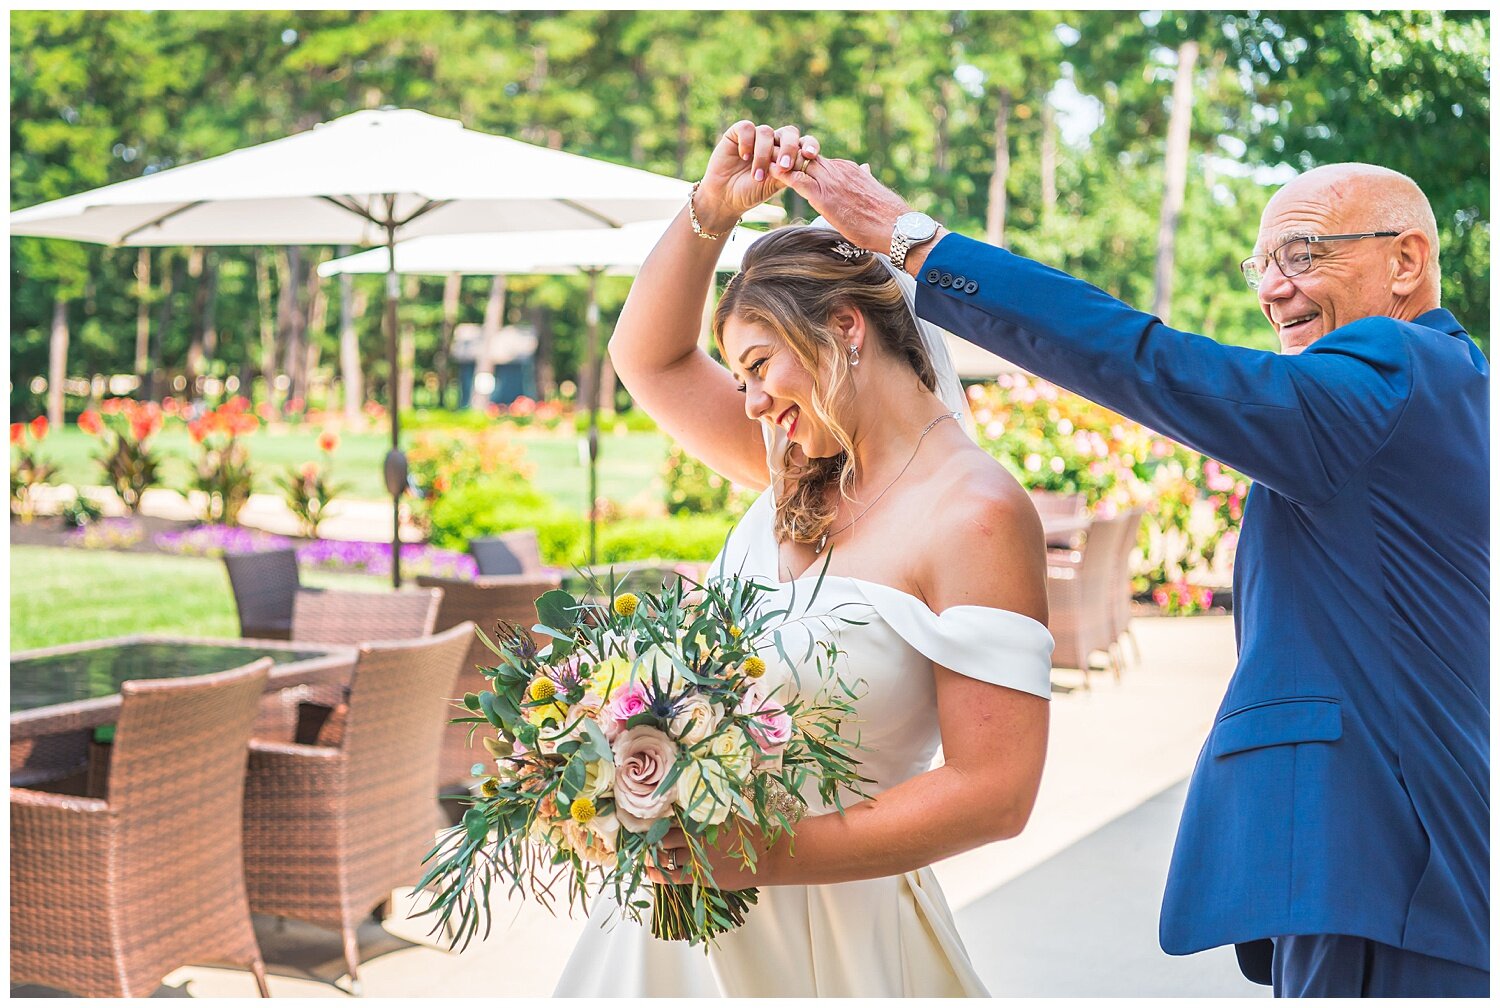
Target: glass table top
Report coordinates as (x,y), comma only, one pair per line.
(98,672)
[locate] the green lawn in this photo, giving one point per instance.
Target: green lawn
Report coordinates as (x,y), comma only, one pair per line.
(59,595)
(629,464)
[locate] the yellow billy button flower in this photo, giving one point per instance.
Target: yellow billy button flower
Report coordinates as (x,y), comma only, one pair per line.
(582,810)
(754,666)
(490,787)
(626,604)
(542,688)
(735,631)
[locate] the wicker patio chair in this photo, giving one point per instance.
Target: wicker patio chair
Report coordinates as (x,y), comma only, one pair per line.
(483,601)
(349,617)
(333,827)
(340,617)
(264,585)
(1081,593)
(1050,504)
(110,893)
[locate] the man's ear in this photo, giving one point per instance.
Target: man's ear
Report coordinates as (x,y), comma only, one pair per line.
(1411,254)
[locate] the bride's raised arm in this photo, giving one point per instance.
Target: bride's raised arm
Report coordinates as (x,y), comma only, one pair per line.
(655,344)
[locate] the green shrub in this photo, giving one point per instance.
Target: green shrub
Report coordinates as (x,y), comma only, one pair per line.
(689,537)
(694,488)
(485,507)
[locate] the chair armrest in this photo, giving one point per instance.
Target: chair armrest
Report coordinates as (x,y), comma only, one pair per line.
(47,801)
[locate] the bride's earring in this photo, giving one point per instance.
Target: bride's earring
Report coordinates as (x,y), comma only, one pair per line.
(853,355)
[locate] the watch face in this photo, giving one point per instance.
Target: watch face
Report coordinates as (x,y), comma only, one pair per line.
(915,227)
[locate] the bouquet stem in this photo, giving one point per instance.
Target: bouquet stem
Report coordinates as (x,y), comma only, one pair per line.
(672,911)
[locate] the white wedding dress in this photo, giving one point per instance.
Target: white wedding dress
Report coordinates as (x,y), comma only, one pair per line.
(882,937)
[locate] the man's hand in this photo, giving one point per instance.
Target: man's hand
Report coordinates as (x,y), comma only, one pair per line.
(738,176)
(849,198)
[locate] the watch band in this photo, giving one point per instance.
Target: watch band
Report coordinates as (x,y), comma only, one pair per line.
(899,247)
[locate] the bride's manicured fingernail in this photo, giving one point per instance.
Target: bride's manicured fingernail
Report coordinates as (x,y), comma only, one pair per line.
(786,161)
(760,174)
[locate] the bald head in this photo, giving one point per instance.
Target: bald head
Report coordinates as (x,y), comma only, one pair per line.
(1351,279)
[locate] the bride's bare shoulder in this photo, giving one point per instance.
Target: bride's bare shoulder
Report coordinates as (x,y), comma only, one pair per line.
(987,546)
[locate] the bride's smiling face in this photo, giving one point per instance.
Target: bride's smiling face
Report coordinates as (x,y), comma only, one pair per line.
(778,388)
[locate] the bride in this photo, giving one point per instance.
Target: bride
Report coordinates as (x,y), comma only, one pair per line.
(846,411)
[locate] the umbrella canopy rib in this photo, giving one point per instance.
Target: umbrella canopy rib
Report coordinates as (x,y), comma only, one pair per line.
(125,238)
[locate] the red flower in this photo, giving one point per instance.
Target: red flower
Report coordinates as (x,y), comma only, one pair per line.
(374,410)
(493,409)
(440,484)
(328,441)
(309,472)
(241,423)
(90,423)
(39,427)
(112,406)
(17,433)
(237,404)
(267,411)
(198,430)
(522,406)
(1159,596)
(295,405)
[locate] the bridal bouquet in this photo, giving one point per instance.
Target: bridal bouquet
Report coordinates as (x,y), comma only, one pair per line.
(640,715)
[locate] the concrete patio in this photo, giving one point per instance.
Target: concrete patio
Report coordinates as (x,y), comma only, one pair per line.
(1068,908)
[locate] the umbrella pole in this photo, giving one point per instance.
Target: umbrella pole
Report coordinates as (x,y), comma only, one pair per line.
(596,372)
(395,461)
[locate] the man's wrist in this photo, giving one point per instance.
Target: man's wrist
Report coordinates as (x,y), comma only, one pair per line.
(917,254)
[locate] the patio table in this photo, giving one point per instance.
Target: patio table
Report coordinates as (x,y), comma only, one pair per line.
(58,694)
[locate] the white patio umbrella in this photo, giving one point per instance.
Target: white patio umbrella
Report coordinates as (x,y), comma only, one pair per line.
(367,177)
(616,251)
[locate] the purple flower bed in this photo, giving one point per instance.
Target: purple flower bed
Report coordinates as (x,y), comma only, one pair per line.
(217,540)
(375,558)
(108,533)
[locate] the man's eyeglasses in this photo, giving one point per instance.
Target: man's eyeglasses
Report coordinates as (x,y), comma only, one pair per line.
(1295,257)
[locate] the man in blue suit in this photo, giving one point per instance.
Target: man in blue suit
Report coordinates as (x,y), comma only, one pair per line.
(1337,824)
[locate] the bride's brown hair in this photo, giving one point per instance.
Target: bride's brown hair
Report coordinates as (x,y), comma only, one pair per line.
(792,281)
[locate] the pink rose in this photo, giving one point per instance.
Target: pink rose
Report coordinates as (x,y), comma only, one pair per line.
(643,757)
(626,703)
(770,725)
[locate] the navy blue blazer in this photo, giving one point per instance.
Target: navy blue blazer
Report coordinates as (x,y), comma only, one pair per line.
(1344,786)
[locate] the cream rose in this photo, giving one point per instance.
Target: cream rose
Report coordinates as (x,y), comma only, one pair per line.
(703,792)
(643,757)
(733,751)
(694,721)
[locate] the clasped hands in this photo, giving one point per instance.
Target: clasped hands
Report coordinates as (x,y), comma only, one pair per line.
(751,163)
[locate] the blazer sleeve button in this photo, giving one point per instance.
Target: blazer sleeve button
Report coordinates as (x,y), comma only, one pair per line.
(932,276)
(958,282)
(946,280)
(970,287)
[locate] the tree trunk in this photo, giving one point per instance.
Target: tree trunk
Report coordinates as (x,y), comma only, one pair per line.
(546,369)
(1049,159)
(994,222)
(291,323)
(494,318)
(408,345)
(195,356)
(57,361)
(170,265)
(317,318)
(354,385)
(142,314)
(1178,128)
(452,287)
(267,323)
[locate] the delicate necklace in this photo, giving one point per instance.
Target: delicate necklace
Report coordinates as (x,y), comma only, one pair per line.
(823,540)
